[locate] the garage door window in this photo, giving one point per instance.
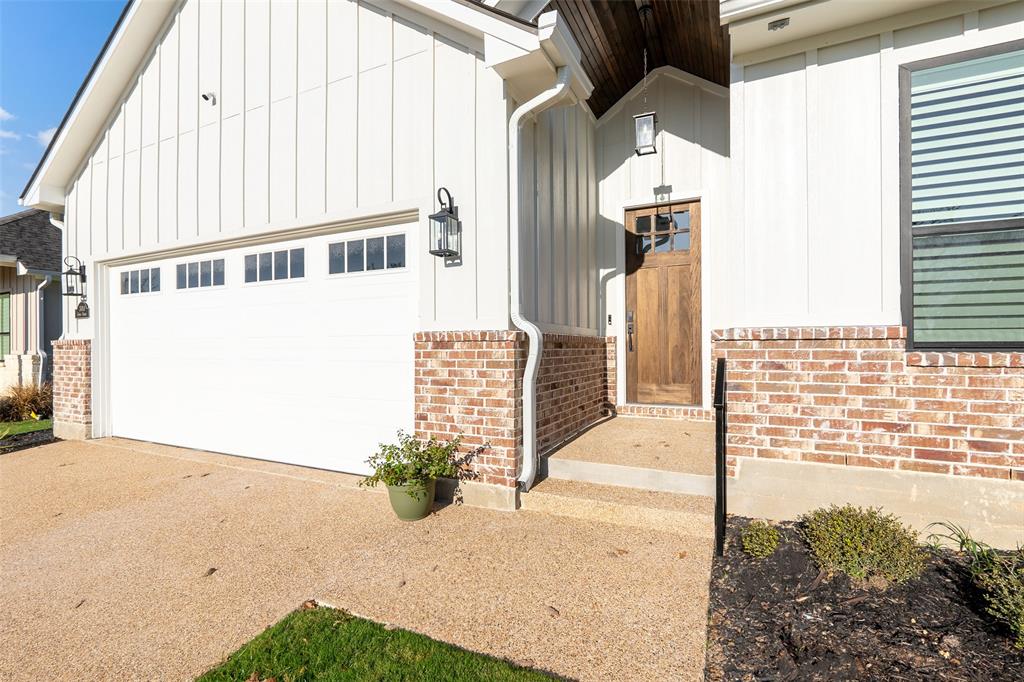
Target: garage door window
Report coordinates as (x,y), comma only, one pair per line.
(204,273)
(144,281)
(275,265)
(360,255)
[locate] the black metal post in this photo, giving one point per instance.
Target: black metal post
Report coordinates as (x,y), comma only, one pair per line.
(720,434)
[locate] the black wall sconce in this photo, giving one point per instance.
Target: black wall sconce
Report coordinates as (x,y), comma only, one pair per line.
(74,285)
(445,235)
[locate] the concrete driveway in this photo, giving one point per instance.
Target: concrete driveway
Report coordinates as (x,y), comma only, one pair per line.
(107,548)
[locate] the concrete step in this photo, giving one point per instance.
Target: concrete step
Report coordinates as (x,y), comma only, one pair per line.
(687,515)
(645,478)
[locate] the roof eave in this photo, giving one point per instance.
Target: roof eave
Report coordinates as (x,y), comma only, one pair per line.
(118,61)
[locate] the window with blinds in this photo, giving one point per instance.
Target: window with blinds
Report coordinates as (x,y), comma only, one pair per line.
(964,217)
(5,325)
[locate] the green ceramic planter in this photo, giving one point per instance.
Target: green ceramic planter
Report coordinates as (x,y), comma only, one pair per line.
(412,507)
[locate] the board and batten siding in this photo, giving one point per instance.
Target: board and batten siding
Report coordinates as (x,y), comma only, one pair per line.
(692,163)
(25,308)
(323,110)
(815,234)
(558,221)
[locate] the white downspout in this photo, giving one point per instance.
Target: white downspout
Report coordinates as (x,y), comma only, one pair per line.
(533,333)
(41,313)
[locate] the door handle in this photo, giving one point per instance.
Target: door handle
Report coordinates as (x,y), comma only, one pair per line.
(629,331)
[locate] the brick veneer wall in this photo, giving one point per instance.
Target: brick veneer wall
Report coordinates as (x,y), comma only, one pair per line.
(72,388)
(854,396)
(470,382)
(572,387)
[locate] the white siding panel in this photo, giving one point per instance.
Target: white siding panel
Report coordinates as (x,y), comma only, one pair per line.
(99,206)
(231,99)
(492,197)
(188,66)
(209,59)
(342,40)
(312,69)
(115,203)
(282,159)
(454,168)
(148,196)
(232,173)
(283,16)
(133,120)
(543,244)
(844,190)
(257,53)
(209,180)
(776,213)
(413,117)
(188,185)
(342,131)
(257,167)
(131,200)
(151,102)
(169,84)
(374,38)
(311,166)
(168,192)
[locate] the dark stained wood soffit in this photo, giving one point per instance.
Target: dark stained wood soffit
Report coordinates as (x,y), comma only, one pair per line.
(682,33)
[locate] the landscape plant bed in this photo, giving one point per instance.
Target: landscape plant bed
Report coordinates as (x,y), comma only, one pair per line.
(781,618)
(26,434)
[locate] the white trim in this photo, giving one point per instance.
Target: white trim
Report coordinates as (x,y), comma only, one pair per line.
(667,71)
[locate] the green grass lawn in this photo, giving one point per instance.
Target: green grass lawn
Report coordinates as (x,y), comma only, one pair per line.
(327,644)
(27,426)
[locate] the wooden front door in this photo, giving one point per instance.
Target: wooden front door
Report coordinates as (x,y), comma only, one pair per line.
(663,325)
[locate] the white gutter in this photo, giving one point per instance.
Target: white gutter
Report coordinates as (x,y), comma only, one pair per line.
(533,333)
(41,312)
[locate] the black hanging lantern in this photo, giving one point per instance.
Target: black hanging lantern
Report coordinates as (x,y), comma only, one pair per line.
(646,125)
(74,285)
(445,235)
(646,132)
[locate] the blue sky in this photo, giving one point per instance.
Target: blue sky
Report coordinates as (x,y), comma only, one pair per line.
(46,48)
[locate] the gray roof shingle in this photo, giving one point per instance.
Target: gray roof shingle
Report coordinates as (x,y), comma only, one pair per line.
(31,237)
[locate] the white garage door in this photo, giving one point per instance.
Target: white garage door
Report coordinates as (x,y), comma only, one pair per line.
(299,351)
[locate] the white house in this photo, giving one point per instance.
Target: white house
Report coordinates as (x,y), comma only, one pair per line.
(250,186)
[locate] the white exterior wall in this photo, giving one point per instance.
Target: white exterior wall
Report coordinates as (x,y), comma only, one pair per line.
(326,112)
(691,163)
(815,232)
(558,221)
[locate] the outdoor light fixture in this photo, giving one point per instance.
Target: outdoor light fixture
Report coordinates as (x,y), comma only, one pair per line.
(778,24)
(74,284)
(645,124)
(646,130)
(445,235)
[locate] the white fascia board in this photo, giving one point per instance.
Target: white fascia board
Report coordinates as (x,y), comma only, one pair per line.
(98,98)
(475,20)
(733,10)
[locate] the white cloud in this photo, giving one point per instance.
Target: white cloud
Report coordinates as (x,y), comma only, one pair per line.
(5,115)
(8,135)
(44,136)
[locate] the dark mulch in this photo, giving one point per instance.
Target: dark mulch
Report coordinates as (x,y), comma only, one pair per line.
(26,440)
(782,619)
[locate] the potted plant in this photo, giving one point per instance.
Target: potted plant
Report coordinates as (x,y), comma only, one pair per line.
(410,469)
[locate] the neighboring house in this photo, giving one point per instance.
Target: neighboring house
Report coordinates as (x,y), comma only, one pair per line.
(30,297)
(251,185)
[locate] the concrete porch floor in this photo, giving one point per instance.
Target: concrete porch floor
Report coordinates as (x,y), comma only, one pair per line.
(666,444)
(106,549)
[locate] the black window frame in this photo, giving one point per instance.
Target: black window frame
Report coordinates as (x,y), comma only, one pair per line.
(908,231)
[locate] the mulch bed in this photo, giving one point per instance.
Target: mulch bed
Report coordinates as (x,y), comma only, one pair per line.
(782,619)
(26,440)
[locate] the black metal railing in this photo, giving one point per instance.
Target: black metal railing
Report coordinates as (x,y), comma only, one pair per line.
(720,434)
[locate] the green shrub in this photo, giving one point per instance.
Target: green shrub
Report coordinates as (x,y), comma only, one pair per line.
(999,578)
(413,462)
(26,402)
(863,543)
(760,539)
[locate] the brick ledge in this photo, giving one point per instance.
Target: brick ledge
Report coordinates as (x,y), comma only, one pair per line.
(965,359)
